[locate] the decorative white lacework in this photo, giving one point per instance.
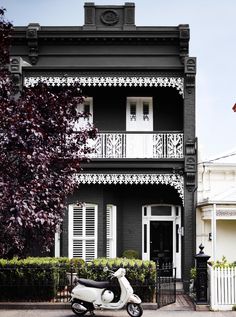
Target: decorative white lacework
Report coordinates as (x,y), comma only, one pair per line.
(136,145)
(175,180)
(110,81)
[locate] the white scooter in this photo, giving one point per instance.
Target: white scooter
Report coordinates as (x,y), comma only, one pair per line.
(89,295)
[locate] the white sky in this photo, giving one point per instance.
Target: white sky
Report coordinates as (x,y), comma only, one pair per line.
(213,42)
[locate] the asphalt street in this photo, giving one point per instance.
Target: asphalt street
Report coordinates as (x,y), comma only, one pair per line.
(123,313)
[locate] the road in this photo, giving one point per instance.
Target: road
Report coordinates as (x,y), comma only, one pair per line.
(122,313)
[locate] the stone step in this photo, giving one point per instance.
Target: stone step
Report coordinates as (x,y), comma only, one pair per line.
(179,287)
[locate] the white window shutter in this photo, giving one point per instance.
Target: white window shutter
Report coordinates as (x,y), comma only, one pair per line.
(111,231)
(83,231)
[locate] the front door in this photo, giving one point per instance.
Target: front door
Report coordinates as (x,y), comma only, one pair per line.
(162,233)
(161,242)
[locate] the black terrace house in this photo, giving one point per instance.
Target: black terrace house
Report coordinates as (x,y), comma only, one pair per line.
(139,82)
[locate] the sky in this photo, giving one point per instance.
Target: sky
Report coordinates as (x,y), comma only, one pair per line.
(212,40)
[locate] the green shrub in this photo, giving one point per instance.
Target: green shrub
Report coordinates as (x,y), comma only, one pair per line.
(130,254)
(32,278)
(193,273)
(141,274)
(40,279)
(223,263)
(35,279)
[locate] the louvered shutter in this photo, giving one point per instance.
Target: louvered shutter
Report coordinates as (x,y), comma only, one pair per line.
(83,231)
(111,231)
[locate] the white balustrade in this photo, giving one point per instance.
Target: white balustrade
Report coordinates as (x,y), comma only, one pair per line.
(138,145)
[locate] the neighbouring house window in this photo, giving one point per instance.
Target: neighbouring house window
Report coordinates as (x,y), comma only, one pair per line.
(83,231)
(111,231)
(86,106)
(139,114)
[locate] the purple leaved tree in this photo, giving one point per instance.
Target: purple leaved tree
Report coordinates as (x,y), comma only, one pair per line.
(40,152)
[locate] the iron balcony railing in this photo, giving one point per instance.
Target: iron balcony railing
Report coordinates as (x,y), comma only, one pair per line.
(138,145)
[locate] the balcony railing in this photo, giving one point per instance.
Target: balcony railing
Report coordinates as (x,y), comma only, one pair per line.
(139,145)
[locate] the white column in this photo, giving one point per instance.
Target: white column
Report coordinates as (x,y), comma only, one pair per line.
(213,232)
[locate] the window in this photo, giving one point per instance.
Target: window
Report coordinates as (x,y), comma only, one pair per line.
(87,107)
(161,210)
(111,231)
(146,111)
(83,231)
(132,111)
(139,114)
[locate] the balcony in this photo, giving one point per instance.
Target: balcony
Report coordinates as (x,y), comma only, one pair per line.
(139,145)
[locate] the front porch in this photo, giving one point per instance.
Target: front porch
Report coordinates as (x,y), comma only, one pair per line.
(121,212)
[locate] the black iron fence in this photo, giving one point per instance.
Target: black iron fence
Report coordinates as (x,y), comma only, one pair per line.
(51,284)
(166,285)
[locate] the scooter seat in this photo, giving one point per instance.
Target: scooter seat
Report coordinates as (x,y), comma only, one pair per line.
(91,283)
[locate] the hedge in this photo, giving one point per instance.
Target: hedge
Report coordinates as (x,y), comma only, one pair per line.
(141,274)
(34,279)
(40,279)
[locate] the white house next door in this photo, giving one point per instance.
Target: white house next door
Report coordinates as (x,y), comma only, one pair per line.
(162,235)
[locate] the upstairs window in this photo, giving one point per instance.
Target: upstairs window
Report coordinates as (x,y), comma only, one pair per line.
(87,107)
(139,114)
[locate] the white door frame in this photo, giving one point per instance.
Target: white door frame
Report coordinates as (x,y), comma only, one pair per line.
(175,217)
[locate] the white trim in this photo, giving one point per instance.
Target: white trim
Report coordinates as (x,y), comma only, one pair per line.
(213,232)
(83,237)
(175,218)
(175,180)
(116,81)
(57,244)
(111,240)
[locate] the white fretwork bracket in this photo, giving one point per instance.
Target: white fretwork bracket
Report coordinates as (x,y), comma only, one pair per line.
(175,180)
(109,81)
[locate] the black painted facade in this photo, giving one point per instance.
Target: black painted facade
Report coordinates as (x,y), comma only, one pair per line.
(109,45)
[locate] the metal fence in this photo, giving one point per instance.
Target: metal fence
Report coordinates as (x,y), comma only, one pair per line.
(50,284)
(166,285)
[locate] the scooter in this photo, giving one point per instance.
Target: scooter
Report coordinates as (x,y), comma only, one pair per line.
(89,295)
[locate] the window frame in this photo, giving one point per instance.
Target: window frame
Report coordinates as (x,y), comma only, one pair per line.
(83,237)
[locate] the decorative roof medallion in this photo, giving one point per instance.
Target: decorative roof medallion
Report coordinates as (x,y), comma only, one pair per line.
(110,17)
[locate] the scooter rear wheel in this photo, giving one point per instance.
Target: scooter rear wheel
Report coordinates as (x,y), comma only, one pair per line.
(134,310)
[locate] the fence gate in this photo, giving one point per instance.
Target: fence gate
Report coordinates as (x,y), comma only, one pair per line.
(166,285)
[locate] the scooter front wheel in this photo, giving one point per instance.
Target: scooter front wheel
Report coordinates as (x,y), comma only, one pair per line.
(134,310)
(77,311)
